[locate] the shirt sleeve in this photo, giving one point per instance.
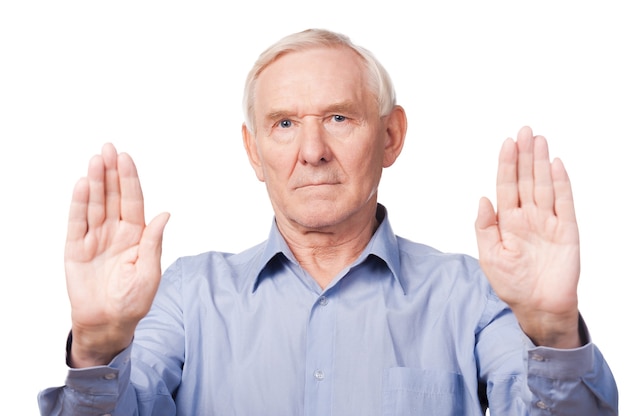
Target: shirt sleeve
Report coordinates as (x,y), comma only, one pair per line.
(140,380)
(521,378)
(107,390)
(571,382)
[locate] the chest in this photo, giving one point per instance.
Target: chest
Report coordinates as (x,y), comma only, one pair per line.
(356,349)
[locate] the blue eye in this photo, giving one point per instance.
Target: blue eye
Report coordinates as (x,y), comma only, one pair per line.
(285,124)
(339,118)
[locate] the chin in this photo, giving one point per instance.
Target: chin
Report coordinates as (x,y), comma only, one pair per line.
(321,216)
(315,222)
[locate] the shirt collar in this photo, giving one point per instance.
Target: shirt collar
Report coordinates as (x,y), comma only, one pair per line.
(384,245)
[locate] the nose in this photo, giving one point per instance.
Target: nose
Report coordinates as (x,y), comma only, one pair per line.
(314,149)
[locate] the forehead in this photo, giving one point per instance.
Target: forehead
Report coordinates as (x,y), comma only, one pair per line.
(312,78)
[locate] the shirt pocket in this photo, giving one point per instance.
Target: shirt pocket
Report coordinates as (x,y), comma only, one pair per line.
(413,391)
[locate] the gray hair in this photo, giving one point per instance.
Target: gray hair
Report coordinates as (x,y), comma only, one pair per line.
(379,79)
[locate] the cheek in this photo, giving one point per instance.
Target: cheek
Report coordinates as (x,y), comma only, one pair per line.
(277,163)
(367,157)
(365,169)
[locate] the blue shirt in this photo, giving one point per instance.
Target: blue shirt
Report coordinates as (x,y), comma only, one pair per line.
(404,330)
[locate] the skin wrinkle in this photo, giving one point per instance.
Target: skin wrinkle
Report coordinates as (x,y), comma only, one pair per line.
(321,171)
(528,250)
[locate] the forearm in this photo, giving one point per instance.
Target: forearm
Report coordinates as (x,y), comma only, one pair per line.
(524,378)
(108,390)
(93,391)
(571,382)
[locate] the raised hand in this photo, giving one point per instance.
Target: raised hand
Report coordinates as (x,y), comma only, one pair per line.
(529,249)
(112,259)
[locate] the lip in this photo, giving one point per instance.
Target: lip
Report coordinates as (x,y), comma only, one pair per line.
(316,184)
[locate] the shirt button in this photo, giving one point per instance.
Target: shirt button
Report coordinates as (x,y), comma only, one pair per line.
(110,376)
(537,357)
(319,375)
(323,300)
(542,405)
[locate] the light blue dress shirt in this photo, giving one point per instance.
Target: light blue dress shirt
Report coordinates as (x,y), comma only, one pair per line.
(405,330)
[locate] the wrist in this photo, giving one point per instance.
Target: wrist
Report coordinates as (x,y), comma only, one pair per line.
(555,332)
(91,350)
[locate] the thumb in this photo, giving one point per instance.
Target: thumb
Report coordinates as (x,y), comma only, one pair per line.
(152,240)
(486,226)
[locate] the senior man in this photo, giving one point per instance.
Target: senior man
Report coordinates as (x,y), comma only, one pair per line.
(333,314)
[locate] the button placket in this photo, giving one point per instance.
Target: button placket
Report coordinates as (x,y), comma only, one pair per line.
(320,355)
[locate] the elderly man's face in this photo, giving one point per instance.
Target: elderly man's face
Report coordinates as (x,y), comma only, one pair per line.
(320,144)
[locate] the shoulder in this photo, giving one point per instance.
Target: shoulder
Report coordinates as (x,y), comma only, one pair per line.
(425,265)
(427,256)
(214,266)
(451,282)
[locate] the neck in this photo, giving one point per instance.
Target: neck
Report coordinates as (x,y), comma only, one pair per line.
(323,253)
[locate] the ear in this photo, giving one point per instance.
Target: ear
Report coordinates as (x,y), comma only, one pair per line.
(249,142)
(396,125)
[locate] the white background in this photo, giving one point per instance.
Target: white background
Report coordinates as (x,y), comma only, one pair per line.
(163,81)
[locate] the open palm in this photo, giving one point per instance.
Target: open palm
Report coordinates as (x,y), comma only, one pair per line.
(529,249)
(112,260)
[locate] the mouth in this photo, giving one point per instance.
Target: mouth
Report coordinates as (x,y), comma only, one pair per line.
(315,180)
(315,185)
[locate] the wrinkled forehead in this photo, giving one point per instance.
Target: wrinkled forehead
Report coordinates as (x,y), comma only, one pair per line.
(331,73)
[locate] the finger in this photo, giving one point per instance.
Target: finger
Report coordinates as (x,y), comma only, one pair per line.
(152,238)
(131,202)
(77,222)
(544,190)
(112,186)
(96,209)
(507,195)
(150,247)
(486,226)
(525,162)
(563,195)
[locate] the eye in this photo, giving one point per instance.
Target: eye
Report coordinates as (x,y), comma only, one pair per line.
(339,118)
(285,124)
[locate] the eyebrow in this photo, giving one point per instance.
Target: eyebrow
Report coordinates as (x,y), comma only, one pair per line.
(340,107)
(278,115)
